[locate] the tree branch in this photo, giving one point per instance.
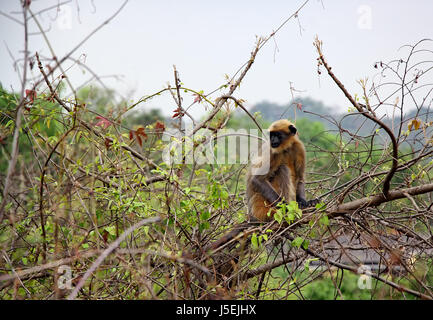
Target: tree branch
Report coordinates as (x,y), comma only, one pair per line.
(375,200)
(359,107)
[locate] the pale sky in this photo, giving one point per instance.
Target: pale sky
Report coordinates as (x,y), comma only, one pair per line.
(207,39)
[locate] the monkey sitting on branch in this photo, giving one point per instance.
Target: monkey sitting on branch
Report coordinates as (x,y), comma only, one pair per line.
(276,176)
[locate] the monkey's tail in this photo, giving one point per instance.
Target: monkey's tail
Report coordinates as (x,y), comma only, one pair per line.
(227,237)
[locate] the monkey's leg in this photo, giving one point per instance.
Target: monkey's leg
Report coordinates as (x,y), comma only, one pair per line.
(259,209)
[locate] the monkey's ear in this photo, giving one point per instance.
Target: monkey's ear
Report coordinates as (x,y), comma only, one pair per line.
(292,129)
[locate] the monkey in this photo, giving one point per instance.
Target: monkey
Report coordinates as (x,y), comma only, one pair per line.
(282,175)
(277,175)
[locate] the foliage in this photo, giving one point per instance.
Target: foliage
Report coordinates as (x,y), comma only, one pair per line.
(130,202)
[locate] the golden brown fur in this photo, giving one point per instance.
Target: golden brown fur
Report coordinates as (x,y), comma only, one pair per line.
(283,180)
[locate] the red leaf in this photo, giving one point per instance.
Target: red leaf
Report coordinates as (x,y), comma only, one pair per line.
(177,113)
(31,94)
(140,132)
(159,127)
(140,142)
(144,135)
(299,106)
(103,122)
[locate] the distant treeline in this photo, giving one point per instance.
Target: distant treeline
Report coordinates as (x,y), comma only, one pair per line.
(332,117)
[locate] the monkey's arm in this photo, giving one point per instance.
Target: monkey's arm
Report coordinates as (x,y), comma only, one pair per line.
(299,172)
(263,186)
(300,187)
(300,197)
(300,192)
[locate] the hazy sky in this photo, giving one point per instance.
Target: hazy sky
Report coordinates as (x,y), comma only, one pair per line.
(207,39)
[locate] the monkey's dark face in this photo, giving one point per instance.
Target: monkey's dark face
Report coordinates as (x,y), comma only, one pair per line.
(278,137)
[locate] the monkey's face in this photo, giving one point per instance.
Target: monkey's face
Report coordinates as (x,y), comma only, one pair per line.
(277,137)
(280,133)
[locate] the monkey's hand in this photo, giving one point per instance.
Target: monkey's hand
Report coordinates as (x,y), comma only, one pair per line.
(302,203)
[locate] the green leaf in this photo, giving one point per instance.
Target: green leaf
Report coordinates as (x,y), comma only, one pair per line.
(290,217)
(205,225)
(278,216)
(254,241)
(324,221)
(224,195)
(307,263)
(205,215)
(111,230)
(320,206)
(10,122)
(297,242)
